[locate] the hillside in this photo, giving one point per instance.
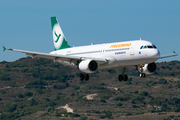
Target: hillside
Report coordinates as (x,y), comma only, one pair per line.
(41,89)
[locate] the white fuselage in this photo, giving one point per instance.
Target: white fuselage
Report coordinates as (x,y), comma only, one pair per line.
(117,54)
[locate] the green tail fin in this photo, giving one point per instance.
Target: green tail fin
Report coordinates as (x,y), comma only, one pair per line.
(58,36)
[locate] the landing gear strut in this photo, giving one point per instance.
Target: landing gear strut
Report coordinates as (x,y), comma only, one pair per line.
(123,76)
(140,69)
(84,76)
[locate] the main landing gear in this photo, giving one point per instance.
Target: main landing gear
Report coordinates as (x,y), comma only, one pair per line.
(123,76)
(84,76)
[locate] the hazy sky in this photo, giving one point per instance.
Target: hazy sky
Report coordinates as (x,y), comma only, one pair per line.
(26,25)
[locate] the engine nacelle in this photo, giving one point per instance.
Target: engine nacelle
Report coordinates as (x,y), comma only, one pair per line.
(149,68)
(88,66)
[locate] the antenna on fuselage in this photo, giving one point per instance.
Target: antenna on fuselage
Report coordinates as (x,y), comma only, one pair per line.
(140,39)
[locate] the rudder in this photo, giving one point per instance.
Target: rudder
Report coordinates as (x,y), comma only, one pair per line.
(58,36)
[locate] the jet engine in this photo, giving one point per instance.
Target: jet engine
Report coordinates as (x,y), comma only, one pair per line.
(88,66)
(149,68)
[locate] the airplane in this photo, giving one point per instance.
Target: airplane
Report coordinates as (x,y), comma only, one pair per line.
(139,53)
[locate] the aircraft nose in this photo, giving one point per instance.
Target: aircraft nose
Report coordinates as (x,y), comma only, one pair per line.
(157,54)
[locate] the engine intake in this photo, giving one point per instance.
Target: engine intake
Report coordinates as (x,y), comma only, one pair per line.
(88,66)
(149,68)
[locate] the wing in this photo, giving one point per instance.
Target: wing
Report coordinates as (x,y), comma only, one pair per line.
(170,55)
(72,59)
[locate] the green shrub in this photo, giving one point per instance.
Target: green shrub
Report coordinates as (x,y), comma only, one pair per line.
(74,115)
(83,117)
(150,83)
(102,100)
(136,92)
(119,98)
(38,90)
(144,93)
(3,92)
(128,83)
(119,104)
(20,95)
(135,106)
(128,114)
(59,86)
(31,101)
(42,61)
(51,103)
(171,116)
(38,82)
(76,87)
(0,99)
(17,100)
(80,98)
(178,84)
(96,87)
(12,107)
(171,86)
(162,81)
(102,116)
(106,95)
(24,70)
(155,102)
(138,98)
(28,93)
(57,97)
(5,77)
(44,114)
(108,114)
(171,73)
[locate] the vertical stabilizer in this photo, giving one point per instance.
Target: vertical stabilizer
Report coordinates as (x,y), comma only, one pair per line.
(58,36)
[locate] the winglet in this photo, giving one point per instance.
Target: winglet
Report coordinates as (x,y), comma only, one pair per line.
(174,52)
(4,48)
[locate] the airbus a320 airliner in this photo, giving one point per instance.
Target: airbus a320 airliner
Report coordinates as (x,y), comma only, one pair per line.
(139,53)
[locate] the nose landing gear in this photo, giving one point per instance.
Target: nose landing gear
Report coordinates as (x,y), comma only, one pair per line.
(140,69)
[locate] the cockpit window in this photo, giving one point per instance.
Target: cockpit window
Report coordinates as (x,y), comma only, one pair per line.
(154,46)
(150,46)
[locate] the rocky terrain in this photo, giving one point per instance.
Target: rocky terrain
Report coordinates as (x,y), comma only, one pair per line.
(43,90)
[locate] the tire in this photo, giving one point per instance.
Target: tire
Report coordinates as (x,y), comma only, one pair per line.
(86,77)
(120,77)
(143,75)
(125,78)
(140,75)
(82,77)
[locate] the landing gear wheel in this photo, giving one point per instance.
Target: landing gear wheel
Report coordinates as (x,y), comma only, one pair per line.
(125,77)
(86,77)
(120,77)
(82,77)
(142,75)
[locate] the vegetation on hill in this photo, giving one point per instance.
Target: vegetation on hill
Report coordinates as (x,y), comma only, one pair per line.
(30,85)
